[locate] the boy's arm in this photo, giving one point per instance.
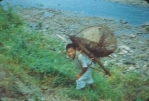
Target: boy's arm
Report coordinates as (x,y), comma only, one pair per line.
(84,64)
(81,73)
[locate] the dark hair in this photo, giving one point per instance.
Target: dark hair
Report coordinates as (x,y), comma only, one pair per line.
(71,45)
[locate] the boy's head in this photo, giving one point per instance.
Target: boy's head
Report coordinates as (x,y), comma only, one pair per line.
(71,50)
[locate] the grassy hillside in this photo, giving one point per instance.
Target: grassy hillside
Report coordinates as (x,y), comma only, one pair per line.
(38,58)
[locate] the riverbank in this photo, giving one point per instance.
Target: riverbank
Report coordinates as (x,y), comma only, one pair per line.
(132,2)
(135,15)
(132,42)
(129,64)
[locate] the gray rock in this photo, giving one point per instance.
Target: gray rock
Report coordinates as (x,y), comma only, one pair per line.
(133,47)
(123,22)
(142,56)
(129,63)
(132,36)
(144,59)
(144,49)
(131,68)
(124,50)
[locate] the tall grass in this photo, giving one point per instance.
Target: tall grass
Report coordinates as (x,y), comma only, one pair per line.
(24,51)
(30,50)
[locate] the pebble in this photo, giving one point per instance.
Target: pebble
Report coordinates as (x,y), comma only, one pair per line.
(142,56)
(144,49)
(129,63)
(133,47)
(131,68)
(144,59)
(113,55)
(125,49)
(123,22)
(132,36)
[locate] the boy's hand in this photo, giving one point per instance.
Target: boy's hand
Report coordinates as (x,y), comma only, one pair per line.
(78,76)
(81,73)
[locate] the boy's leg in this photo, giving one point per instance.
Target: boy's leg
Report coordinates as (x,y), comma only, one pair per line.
(80,84)
(86,78)
(90,82)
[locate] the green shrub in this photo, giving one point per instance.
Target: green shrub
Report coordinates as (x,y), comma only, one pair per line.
(147,28)
(9,19)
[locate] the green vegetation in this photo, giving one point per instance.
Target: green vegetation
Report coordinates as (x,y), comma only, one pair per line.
(8,19)
(36,56)
(147,28)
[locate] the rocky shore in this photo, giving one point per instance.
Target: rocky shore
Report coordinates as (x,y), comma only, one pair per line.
(132,2)
(132,50)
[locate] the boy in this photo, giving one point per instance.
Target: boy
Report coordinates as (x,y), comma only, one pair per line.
(83,63)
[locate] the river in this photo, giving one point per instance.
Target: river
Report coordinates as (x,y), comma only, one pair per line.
(134,15)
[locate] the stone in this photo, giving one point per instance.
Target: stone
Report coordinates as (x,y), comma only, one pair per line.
(124,49)
(129,63)
(144,49)
(46,26)
(132,36)
(144,59)
(140,42)
(145,68)
(123,22)
(113,55)
(139,34)
(131,68)
(123,52)
(106,63)
(119,64)
(133,47)
(142,56)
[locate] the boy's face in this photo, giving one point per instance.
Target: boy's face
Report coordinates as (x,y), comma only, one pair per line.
(71,52)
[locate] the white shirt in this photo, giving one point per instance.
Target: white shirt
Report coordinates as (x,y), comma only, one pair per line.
(82,61)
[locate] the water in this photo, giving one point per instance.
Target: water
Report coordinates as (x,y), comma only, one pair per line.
(135,15)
